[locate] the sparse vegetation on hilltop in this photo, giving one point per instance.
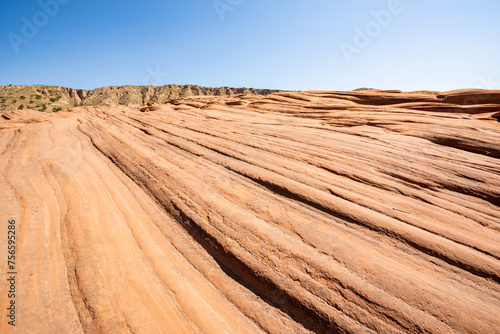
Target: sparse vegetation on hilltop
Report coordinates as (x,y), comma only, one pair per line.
(60,98)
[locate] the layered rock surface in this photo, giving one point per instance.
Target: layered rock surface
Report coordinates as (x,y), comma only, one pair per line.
(325,212)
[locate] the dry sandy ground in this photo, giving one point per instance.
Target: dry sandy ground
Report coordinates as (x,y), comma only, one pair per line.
(355,212)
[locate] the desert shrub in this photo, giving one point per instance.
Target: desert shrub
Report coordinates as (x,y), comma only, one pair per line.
(56,109)
(31,102)
(14,101)
(44,108)
(37,96)
(54,99)
(22,97)
(21,106)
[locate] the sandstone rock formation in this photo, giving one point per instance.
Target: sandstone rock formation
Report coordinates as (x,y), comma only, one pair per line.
(325,212)
(55,98)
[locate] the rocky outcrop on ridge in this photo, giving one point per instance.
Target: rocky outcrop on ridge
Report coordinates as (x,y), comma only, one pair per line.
(55,98)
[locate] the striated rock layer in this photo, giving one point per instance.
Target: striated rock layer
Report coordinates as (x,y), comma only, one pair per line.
(326,212)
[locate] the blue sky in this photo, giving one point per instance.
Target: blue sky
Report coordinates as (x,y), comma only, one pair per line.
(283,44)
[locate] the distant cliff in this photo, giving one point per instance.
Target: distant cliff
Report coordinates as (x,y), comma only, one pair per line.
(54,98)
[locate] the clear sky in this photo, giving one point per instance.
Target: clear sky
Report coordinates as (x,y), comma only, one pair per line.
(282,44)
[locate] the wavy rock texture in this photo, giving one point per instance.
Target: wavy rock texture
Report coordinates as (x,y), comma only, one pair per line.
(326,212)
